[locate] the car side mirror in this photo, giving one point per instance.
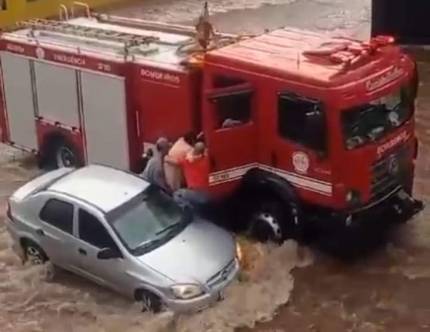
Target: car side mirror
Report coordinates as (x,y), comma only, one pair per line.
(108,253)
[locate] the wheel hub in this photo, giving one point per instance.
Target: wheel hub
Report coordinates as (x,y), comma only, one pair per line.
(34,256)
(266,227)
(65,157)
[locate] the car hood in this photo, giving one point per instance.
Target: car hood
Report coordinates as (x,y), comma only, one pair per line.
(200,251)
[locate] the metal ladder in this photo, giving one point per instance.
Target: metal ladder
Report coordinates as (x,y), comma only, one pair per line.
(128,39)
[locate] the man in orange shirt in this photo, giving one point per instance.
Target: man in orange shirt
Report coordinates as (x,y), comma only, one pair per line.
(195,166)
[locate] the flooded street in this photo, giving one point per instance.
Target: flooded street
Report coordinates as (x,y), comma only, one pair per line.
(385,292)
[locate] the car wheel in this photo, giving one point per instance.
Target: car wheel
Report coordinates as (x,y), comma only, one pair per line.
(34,254)
(150,302)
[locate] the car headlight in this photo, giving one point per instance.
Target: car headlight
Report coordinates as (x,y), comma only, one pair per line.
(239,253)
(353,197)
(186,291)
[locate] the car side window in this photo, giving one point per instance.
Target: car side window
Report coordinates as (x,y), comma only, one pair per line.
(92,231)
(58,214)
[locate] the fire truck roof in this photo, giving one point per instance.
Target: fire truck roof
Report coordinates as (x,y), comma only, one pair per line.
(104,40)
(281,53)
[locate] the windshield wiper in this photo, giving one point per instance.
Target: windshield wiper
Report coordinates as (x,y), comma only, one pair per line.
(159,239)
(168,228)
(148,245)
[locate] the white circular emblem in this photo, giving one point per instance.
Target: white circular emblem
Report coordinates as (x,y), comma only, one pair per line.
(40,53)
(300,162)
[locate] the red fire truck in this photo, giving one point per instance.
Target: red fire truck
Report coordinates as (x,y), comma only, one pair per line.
(323,132)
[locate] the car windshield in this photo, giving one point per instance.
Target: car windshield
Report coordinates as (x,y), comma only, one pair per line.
(370,122)
(148,221)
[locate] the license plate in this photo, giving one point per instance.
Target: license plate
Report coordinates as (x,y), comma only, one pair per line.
(221,296)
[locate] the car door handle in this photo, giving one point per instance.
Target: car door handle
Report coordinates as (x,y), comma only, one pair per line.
(82,252)
(40,232)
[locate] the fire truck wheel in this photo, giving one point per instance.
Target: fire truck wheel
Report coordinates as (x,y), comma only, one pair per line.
(271,222)
(60,153)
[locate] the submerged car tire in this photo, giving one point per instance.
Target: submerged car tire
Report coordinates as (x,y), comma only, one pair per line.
(34,253)
(150,302)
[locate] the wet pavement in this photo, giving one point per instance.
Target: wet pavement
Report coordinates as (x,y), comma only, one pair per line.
(387,291)
(253,16)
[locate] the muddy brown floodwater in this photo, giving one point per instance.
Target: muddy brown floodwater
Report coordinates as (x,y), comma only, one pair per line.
(385,292)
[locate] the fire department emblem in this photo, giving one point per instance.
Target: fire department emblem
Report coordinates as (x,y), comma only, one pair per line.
(40,53)
(300,162)
(393,166)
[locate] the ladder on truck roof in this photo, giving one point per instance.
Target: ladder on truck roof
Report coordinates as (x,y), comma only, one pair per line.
(128,39)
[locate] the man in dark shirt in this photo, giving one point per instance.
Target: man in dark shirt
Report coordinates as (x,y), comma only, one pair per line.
(154,170)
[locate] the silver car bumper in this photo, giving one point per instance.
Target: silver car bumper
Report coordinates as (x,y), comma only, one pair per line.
(215,294)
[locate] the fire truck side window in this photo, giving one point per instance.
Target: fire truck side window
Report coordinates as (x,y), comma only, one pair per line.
(301,121)
(3,5)
(233,109)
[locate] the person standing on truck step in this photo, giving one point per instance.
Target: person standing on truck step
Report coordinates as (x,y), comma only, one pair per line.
(195,166)
(154,170)
(179,150)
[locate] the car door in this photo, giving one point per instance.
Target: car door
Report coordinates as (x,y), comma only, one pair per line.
(92,237)
(55,234)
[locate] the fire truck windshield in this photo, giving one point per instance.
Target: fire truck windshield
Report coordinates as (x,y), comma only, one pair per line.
(370,122)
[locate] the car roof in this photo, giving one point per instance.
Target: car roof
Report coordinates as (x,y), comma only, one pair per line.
(103,187)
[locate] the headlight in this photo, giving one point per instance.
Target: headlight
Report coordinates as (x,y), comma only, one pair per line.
(239,253)
(186,291)
(353,197)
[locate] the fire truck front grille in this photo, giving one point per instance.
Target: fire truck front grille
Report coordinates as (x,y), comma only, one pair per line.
(389,173)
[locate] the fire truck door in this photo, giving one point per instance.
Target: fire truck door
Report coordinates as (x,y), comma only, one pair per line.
(300,144)
(105,119)
(19,100)
(230,134)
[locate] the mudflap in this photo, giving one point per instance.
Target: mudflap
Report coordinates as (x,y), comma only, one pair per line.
(352,235)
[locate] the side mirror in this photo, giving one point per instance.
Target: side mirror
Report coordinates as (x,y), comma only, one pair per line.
(108,253)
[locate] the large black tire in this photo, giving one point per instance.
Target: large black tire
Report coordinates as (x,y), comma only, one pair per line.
(33,252)
(58,152)
(150,302)
(273,221)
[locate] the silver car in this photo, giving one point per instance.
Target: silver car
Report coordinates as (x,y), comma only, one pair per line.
(121,232)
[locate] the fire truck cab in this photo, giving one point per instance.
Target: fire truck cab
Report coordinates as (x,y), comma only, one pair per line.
(305,129)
